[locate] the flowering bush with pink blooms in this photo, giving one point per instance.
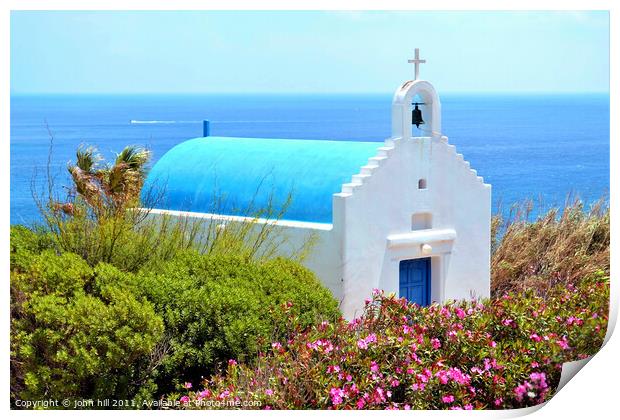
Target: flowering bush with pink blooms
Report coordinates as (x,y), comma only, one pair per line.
(490,354)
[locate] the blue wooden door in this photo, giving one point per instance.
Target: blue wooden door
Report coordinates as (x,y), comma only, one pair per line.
(415,280)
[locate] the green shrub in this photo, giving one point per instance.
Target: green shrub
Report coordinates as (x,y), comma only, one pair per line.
(26,242)
(79,331)
(494,354)
(221,307)
(76,332)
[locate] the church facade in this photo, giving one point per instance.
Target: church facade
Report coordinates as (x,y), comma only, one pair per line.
(408,216)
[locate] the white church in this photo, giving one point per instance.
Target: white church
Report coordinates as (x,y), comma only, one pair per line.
(408,216)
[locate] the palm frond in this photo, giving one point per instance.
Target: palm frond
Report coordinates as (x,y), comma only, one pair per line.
(87,158)
(134,157)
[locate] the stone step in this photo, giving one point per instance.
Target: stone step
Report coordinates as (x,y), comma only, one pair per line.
(350,187)
(368,169)
(385,151)
(360,178)
(377,160)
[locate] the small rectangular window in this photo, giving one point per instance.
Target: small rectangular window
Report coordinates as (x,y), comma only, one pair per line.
(421,221)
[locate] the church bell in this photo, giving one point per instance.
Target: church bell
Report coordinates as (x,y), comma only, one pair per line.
(416,116)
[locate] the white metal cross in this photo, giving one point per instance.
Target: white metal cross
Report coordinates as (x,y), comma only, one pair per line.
(416,61)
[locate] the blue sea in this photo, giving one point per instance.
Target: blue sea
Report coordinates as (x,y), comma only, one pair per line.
(543,147)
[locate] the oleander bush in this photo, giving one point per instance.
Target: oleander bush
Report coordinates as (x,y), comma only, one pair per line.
(218,307)
(492,354)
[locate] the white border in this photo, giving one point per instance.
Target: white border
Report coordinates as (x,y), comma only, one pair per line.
(592,394)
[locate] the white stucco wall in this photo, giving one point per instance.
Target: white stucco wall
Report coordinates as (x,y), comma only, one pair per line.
(375,211)
(376,220)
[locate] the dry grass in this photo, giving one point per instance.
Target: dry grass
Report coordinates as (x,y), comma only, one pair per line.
(561,246)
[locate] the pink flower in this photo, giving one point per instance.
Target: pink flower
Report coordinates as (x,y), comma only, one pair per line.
(276,346)
(508,322)
(205,393)
(232,362)
(540,379)
(435,343)
(364,342)
(187,385)
(535,337)
(468,407)
(374,367)
(269,391)
(336,395)
(395,383)
(563,343)
(379,395)
(458,376)
(460,313)
(498,402)
(443,376)
(493,344)
(333,369)
(184,399)
(321,345)
(447,399)
(520,391)
(360,403)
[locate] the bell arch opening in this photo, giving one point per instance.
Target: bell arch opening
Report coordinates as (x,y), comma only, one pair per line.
(416,111)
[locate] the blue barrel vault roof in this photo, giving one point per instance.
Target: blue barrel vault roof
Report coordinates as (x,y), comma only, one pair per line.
(239,176)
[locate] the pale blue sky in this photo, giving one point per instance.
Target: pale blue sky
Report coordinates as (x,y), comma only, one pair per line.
(314,52)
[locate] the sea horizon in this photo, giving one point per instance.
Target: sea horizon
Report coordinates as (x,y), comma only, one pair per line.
(525,145)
